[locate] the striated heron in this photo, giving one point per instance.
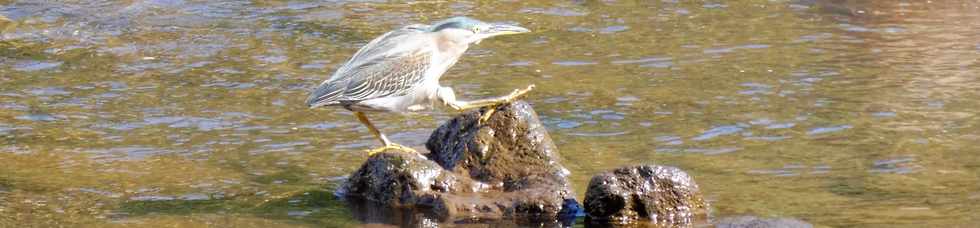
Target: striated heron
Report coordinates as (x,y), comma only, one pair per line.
(400,70)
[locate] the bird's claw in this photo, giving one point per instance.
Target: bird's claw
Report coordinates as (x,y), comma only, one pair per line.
(486,115)
(517,94)
(390,147)
(513,96)
(456,106)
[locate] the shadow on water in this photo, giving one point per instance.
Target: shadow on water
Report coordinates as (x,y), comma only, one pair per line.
(315,206)
(373,213)
(5,185)
(318,207)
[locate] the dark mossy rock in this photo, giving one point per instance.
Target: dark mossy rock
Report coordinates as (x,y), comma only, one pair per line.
(756,222)
(504,169)
(510,151)
(398,179)
(647,193)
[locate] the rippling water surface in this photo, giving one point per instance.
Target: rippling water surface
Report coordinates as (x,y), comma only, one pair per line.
(171,112)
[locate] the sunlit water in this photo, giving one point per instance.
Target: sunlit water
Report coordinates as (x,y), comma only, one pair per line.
(170,112)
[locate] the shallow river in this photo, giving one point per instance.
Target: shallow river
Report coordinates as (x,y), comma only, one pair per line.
(171,112)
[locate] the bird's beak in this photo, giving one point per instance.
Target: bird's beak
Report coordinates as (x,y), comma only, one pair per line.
(502,29)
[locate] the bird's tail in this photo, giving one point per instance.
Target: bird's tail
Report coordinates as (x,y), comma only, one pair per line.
(326,94)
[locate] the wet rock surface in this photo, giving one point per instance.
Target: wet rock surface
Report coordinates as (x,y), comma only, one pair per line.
(646,193)
(504,168)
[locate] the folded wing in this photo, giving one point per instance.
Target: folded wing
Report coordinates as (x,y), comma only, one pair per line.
(382,68)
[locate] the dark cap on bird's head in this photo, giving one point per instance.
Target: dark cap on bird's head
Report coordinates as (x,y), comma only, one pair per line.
(460,22)
(479,29)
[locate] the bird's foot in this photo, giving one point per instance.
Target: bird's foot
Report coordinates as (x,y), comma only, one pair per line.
(518,93)
(390,147)
(487,114)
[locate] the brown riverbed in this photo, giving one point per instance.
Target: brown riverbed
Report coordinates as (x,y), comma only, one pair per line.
(170,112)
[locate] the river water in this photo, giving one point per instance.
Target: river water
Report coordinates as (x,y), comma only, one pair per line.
(191,113)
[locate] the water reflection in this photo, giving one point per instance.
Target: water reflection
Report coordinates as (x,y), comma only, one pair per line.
(162,113)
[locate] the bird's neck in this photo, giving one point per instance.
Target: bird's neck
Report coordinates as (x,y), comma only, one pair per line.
(447,44)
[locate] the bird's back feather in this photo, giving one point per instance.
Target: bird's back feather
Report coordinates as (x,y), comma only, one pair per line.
(386,66)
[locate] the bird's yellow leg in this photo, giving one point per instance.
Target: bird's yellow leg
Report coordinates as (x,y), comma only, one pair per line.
(463,105)
(492,103)
(386,144)
(392,146)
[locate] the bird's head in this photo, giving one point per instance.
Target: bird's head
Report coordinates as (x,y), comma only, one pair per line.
(471,30)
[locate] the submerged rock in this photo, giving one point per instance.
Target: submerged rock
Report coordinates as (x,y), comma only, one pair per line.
(505,168)
(756,222)
(658,194)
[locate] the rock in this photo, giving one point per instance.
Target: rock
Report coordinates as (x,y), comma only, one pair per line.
(507,151)
(505,168)
(398,179)
(658,194)
(756,222)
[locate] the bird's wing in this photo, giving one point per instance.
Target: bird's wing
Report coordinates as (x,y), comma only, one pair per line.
(380,46)
(381,68)
(387,76)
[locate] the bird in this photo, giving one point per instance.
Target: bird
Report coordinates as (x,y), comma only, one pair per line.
(399,72)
